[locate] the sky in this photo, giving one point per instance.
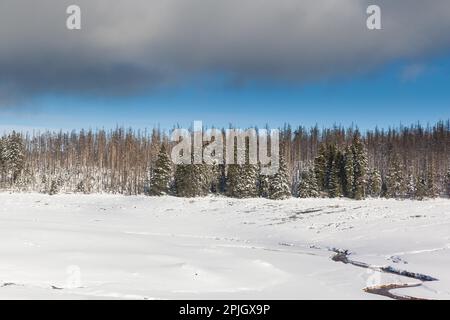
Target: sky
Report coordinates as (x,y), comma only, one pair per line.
(248,63)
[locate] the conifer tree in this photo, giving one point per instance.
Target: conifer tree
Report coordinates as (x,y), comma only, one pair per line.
(360,167)
(335,177)
(263,184)
(395,184)
(349,178)
(320,167)
(279,182)
(54,188)
(162,174)
(2,161)
(374,183)
(217,178)
(233,187)
(447,183)
(13,157)
(249,181)
(242,179)
(432,191)
(411,186)
(421,187)
(192,180)
(307,186)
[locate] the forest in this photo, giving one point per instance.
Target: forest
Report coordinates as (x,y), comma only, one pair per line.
(403,162)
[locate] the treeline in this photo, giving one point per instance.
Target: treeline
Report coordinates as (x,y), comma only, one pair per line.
(405,162)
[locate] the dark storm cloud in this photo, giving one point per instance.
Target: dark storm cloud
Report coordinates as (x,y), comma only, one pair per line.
(127,46)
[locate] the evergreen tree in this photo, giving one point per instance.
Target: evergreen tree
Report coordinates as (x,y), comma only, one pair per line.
(395,184)
(335,174)
(307,186)
(374,183)
(2,161)
(360,167)
(320,167)
(192,180)
(233,186)
(349,176)
(421,188)
(447,183)
(242,179)
(432,191)
(54,188)
(263,185)
(162,174)
(249,179)
(218,178)
(12,156)
(411,187)
(279,182)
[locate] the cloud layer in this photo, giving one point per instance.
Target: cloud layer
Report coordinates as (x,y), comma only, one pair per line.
(128,46)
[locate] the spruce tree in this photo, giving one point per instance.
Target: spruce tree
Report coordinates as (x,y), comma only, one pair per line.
(320,167)
(263,184)
(249,179)
(162,174)
(432,191)
(279,182)
(421,188)
(335,175)
(192,180)
(395,183)
(54,188)
(374,183)
(2,160)
(360,167)
(242,179)
(447,183)
(349,178)
(411,186)
(233,188)
(218,178)
(307,186)
(13,158)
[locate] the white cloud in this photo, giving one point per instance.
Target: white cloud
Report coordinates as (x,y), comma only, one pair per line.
(130,45)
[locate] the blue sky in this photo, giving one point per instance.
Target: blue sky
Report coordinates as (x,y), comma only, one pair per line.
(144,63)
(402,92)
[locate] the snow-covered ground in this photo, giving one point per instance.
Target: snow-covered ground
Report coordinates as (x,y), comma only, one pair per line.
(106,246)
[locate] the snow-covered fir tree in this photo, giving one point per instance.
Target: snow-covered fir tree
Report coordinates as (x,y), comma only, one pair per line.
(421,187)
(360,163)
(192,180)
(279,182)
(349,178)
(321,167)
(335,175)
(374,183)
(307,186)
(242,181)
(395,183)
(432,190)
(218,178)
(411,186)
(447,183)
(12,156)
(249,182)
(242,176)
(162,174)
(263,184)
(54,188)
